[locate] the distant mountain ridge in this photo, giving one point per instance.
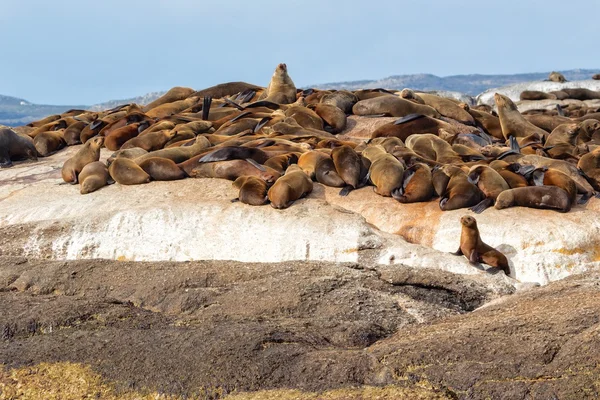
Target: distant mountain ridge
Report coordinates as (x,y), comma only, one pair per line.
(16,111)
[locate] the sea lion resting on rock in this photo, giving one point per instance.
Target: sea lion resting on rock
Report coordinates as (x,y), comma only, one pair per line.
(292,186)
(92,177)
(14,146)
(476,250)
(545,197)
(253,190)
(88,153)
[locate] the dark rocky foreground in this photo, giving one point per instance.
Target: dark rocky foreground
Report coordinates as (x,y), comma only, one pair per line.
(181,328)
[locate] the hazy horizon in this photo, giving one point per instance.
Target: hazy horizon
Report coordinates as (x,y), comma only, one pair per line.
(66,52)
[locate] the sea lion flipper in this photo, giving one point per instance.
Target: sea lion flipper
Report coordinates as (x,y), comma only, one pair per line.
(560,111)
(235,200)
(256,165)
(261,123)
(489,139)
(206,102)
(526,170)
(458,252)
(514,145)
(346,190)
(482,206)
(585,198)
(233,103)
(246,96)
(408,118)
(242,115)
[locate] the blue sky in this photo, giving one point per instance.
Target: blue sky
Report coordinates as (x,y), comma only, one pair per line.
(84,52)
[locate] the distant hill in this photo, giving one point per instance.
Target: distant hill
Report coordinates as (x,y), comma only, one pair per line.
(468,84)
(15,111)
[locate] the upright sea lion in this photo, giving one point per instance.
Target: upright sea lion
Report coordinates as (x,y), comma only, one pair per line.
(392,106)
(162,169)
(512,122)
(490,182)
(281,89)
(252,190)
(15,147)
(545,197)
(556,77)
(92,177)
(417,185)
(47,143)
(292,186)
(87,154)
(476,250)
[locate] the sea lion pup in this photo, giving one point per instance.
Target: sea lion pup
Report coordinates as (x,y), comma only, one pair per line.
(308,162)
(73,132)
(342,99)
(536,95)
(556,77)
(281,162)
(348,166)
(230,170)
(417,185)
(509,173)
(490,182)
(174,94)
(386,172)
(151,141)
(334,118)
(281,89)
(179,154)
(544,197)
(44,121)
(486,121)
(476,251)
(459,192)
(392,106)
(289,188)
(88,153)
(252,190)
(547,122)
(15,147)
(92,177)
(432,147)
(47,143)
(126,172)
(162,169)
(552,177)
(512,122)
(589,165)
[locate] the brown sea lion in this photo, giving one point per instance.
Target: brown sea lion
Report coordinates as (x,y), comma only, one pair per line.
(547,122)
(51,126)
(73,132)
(88,153)
(117,138)
(552,177)
(150,142)
(582,94)
(583,186)
(596,77)
(392,106)
(252,190)
(44,121)
(412,125)
(561,143)
(409,94)
(342,99)
(545,197)
(334,118)
(308,162)
(326,173)
(281,162)
(513,123)
(47,143)
(433,148)
(490,182)
(556,77)
(292,186)
(127,153)
(15,147)
(509,173)
(589,164)
(486,121)
(476,251)
(536,95)
(162,169)
(231,170)
(588,130)
(168,109)
(281,89)
(92,177)
(386,172)
(305,117)
(126,172)
(174,94)
(179,154)
(459,192)
(417,185)
(348,166)
(447,108)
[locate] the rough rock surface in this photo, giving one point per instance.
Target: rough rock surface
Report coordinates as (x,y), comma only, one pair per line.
(186,328)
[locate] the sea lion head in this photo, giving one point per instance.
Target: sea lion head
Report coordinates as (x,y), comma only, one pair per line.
(468,222)
(96,142)
(407,94)
(464,106)
(504,102)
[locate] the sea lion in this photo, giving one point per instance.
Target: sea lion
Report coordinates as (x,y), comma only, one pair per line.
(126,172)
(47,143)
(348,166)
(305,117)
(485,120)
(552,177)
(476,251)
(174,94)
(509,173)
(117,138)
(231,170)
(561,143)
(150,142)
(459,192)
(386,172)
(92,177)
(308,162)
(582,94)
(392,106)
(409,94)
(547,122)
(447,108)
(15,147)
(44,121)
(545,197)
(513,123)
(417,185)
(556,77)
(179,154)
(132,153)
(73,132)
(227,89)
(292,186)
(51,126)
(168,109)
(432,147)
(491,184)
(281,162)
(251,154)
(589,164)
(415,124)
(162,169)
(342,99)
(334,118)
(326,173)
(88,153)
(588,130)
(281,89)
(536,95)
(252,190)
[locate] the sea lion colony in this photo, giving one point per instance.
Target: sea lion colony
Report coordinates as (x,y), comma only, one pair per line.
(274,142)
